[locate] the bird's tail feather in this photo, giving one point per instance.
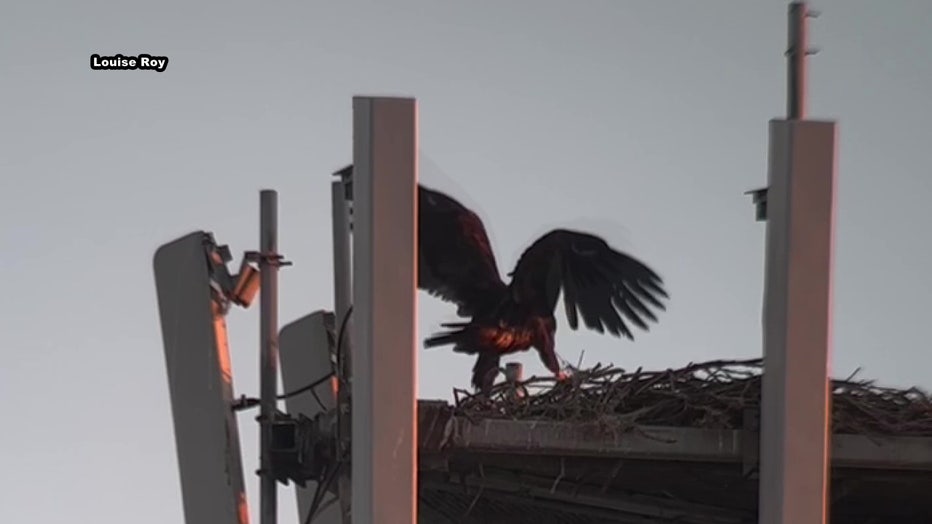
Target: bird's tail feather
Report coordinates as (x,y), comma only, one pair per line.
(458,337)
(442,339)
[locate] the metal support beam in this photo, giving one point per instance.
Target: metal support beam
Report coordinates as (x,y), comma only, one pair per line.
(384,364)
(268,340)
(342,269)
(340,192)
(443,434)
(796,397)
(796,412)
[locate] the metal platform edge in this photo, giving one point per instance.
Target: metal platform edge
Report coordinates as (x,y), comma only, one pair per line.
(441,432)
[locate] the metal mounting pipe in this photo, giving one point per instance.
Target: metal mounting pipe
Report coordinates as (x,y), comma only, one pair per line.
(797,50)
(268,352)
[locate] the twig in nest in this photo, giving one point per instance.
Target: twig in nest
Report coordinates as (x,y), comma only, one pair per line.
(711,395)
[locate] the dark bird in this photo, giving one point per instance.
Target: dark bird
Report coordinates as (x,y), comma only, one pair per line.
(456,263)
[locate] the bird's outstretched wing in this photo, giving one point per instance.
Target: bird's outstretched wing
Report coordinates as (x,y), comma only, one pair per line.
(599,283)
(455,262)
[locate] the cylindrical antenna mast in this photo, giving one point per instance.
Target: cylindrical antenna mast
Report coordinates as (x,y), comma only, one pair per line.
(268,348)
(797,51)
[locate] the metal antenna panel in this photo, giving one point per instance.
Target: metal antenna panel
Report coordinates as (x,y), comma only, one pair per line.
(200,381)
(384,291)
(305,348)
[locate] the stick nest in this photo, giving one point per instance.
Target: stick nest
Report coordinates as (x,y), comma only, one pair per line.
(710,395)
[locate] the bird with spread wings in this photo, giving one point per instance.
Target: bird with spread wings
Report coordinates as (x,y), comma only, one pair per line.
(456,263)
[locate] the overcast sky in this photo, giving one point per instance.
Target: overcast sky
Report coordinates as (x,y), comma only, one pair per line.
(642,121)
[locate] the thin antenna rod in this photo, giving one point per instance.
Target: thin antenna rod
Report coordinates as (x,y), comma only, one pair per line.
(796,61)
(268,325)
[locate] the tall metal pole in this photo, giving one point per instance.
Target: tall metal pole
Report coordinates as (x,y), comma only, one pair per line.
(384,414)
(796,53)
(268,339)
(795,429)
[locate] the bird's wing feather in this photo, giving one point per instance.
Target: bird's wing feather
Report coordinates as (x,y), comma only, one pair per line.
(456,262)
(605,287)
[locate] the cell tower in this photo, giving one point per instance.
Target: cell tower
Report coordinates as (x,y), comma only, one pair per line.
(358,406)
(799,208)
(350,430)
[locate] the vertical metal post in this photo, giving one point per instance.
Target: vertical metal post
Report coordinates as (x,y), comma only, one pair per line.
(796,61)
(384,389)
(342,267)
(514,374)
(342,290)
(268,340)
(796,401)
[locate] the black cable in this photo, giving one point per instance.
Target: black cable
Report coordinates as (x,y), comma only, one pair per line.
(326,377)
(323,486)
(308,387)
(322,489)
(340,332)
(327,477)
(318,497)
(249,402)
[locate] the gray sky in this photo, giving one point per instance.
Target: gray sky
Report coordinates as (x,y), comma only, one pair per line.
(644,120)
